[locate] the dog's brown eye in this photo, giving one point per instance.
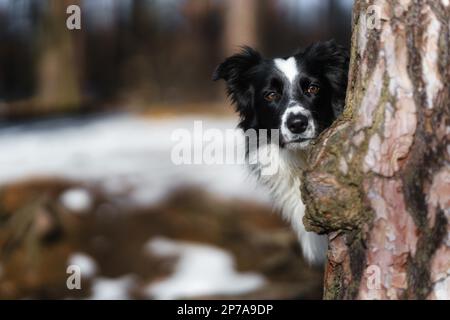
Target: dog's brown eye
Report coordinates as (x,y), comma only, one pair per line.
(271,96)
(313,89)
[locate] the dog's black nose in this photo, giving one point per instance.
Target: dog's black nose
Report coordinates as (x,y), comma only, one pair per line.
(297,123)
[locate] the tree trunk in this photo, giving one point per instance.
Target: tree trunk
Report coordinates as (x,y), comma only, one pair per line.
(379,180)
(240,24)
(58,66)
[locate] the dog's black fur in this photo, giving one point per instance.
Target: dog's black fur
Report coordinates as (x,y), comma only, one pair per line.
(301,96)
(249,77)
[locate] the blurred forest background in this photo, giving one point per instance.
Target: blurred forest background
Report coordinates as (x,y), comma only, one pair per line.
(85,174)
(144,53)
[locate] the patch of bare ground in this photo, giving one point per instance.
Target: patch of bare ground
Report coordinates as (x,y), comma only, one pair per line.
(38,235)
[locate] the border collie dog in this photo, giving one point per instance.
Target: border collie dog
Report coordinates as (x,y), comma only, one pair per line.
(300,96)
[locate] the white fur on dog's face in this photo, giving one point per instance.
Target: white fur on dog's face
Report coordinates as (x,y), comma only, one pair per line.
(298,141)
(250,80)
(289,69)
(302,94)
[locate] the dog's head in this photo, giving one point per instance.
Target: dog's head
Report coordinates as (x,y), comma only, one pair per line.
(300,95)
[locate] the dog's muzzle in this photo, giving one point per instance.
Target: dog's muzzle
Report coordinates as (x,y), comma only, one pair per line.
(297,123)
(297,126)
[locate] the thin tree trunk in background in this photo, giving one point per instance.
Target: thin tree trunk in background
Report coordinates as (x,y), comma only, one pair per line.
(59,85)
(379,181)
(240,24)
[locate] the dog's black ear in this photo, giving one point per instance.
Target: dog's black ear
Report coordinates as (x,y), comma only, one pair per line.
(235,66)
(235,71)
(332,59)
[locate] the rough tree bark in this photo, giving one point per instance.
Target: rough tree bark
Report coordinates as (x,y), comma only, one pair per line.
(379,180)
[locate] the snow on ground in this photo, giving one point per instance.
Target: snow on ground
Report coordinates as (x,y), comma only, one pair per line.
(201,270)
(77,200)
(121,152)
(112,288)
(87,265)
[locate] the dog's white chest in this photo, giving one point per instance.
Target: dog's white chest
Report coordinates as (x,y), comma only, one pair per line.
(284,185)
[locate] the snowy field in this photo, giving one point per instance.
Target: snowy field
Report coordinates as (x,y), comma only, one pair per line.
(131,155)
(200,271)
(122,153)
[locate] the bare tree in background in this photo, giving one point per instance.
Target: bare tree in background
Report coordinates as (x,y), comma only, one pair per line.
(379,181)
(58,64)
(240,24)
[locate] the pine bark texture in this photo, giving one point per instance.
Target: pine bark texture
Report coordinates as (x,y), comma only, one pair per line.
(379,179)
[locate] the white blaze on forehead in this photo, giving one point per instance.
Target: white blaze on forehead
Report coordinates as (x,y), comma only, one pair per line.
(288,67)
